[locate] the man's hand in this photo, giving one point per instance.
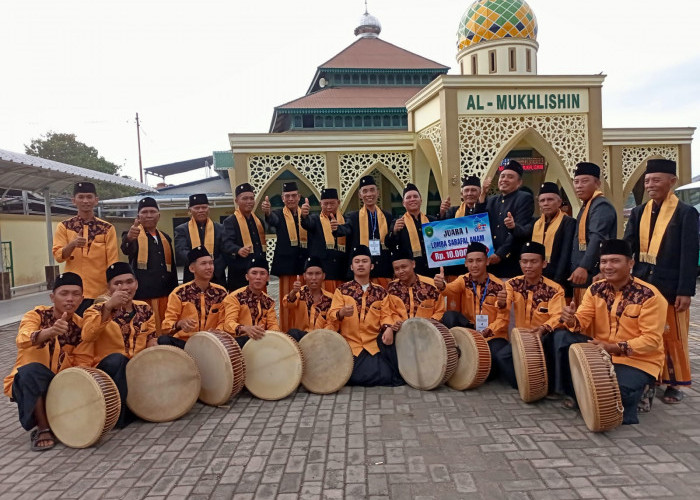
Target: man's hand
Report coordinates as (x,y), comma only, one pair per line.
(485,189)
(597,277)
(399,225)
(439,280)
(397,326)
(187,325)
(682,303)
(445,206)
(119,299)
(346,311)
(134,230)
(152,342)
(60,327)
(296,288)
(502,298)
(486,333)
(78,242)
(568,315)
(254,332)
(334,223)
(610,348)
(509,221)
(579,276)
(265,206)
(494,259)
(245,251)
(388,336)
(305,208)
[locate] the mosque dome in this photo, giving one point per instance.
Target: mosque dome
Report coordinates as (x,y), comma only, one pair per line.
(487,20)
(368,27)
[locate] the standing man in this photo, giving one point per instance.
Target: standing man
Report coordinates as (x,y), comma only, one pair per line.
(291,247)
(86,244)
(597,222)
(406,232)
(308,305)
(369,226)
(510,216)
(200,230)
(244,237)
(152,259)
(325,241)
(663,236)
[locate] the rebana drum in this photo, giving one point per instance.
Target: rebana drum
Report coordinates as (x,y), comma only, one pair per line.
(82,405)
(328,361)
(596,387)
(163,383)
(530,366)
(474,363)
(427,353)
(221,366)
(274,366)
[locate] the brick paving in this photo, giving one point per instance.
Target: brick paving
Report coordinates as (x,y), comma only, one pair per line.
(368,443)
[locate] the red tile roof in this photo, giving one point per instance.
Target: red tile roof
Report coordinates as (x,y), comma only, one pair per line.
(374,53)
(354,97)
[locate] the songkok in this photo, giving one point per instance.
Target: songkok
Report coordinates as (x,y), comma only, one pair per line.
(661,166)
(147,202)
(533,247)
(197,253)
(84,187)
(288,187)
(585,168)
(367,180)
(312,262)
(514,166)
(329,194)
(198,199)
(410,187)
(550,188)
(67,279)
(471,180)
(475,246)
(361,250)
(117,269)
(400,253)
(615,247)
(260,262)
(244,188)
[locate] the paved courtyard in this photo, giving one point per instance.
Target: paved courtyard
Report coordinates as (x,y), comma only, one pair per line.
(368,443)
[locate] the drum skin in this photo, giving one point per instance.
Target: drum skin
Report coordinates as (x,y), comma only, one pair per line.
(328,361)
(274,366)
(426,352)
(474,363)
(82,405)
(530,366)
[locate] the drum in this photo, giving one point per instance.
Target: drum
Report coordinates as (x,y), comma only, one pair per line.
(274,365)
(220,364)
(474,363)
(328,361)
(530,366)
(163,383)
(82,405)
(596,387)
(427,353)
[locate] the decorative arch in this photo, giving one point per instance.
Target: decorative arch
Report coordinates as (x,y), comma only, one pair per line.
(637,174)
(289,167)
(429,150)
(353,166)
(265,168)
(382,169)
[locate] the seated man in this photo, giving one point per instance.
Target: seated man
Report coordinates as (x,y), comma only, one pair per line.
(536,302)
(411,295)
(249,310)
(194,306)
(628,316)
(307,306)
(360,313)
(477,295)
(118,329)
(48,341)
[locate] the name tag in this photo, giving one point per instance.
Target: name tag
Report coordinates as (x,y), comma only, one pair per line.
(482,322)
(375,247)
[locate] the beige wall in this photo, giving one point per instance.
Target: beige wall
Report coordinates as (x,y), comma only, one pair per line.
(29,246)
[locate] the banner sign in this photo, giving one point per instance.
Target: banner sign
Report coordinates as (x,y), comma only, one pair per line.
(446,241)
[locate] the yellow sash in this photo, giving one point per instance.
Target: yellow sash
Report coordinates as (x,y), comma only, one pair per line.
(292,228)
(649,250)
(413,233)
(462,210)
(245,234)
(328,232)
(208,235)
(364,231)
(547,238)
(142,258)
(582,223)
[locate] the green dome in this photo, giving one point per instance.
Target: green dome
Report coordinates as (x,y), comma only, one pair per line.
(494,20)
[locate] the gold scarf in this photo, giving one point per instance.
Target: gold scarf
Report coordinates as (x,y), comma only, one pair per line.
(462,210)
(208,235)
(328,232)
(292,228)
(413,233)
(649,250)
(245,234)
(142,258)
(582,246)
(364,231)
(547,238)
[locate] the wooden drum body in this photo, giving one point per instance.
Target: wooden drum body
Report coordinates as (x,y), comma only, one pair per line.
(474,363)
(221,366)
(530,366)
(274,366)
(427,353)
(82,405)
(596,387)
(328,361)
(163,383)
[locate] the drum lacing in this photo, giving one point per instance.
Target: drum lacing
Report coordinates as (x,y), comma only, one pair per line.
(606,356)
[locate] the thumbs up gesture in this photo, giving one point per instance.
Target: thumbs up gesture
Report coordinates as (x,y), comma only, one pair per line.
(399,225)
(334,223)
(439,279)
(568,314)
(502,298)
(265,205)
(60,327)
(305,208)
(445,206)
(134,230)
(508,221)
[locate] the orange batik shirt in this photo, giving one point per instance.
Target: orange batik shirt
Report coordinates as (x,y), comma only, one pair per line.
(535,305)
(188,301)
(481,298)
(304,314)
(420,300)
(244,308)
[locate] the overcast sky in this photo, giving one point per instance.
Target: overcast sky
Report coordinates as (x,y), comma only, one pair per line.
(198,70)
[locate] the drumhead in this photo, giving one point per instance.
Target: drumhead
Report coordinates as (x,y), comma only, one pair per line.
(82,405)
(474,364)
(163,382)
(422,353)
(274,366)
(530,366)
(328,361)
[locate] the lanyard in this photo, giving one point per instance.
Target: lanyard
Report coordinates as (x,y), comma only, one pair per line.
(483,295)
(373,223)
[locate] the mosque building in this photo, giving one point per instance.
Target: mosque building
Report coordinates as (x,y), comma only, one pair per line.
(378,109)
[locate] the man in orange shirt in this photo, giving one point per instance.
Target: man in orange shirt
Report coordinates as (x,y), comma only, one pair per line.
(48,341)
(628,317)
(308,305)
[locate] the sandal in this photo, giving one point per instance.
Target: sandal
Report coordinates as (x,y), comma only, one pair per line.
(647,400)
(672,396)
(36,439)
(569,403)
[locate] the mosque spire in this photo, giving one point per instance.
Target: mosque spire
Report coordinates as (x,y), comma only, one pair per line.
(369,26)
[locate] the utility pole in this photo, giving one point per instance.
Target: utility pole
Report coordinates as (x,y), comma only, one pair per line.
(138,139)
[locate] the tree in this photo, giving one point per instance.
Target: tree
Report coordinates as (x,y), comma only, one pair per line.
(66,148)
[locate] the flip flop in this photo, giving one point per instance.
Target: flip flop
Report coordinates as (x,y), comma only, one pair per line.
(647,400)
(569,403)
(672,396)
(35,439)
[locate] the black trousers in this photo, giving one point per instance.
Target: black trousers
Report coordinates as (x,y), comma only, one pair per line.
(114,365)
(378,369)
(83,306)
(633,383)
(556,352)
(173,341)
(30,383)
(452,319)
(295,333)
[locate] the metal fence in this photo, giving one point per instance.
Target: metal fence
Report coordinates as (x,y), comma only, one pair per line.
(6,260)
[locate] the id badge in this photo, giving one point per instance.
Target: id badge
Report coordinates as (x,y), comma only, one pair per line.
(375,248)
(482,322)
